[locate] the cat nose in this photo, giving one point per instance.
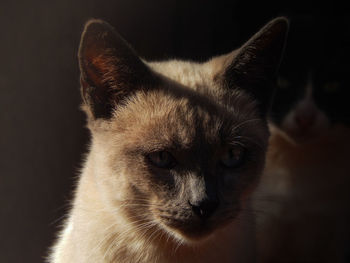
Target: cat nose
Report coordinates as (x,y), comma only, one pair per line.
(305,120)
(204,208)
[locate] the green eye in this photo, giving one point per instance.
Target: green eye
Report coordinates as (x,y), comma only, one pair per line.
(162,159)
(331,87)
(233,157)
(283,83)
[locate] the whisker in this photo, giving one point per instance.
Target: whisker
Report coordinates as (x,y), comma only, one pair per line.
(243,123)
(249,139)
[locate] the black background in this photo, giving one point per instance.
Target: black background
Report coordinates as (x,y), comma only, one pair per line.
(42,134)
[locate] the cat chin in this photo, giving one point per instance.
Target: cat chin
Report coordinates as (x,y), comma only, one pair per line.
(194,235)
(189,236)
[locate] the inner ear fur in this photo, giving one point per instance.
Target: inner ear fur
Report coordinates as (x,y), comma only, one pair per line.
(110,69)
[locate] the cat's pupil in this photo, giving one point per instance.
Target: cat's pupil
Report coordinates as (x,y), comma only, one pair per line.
(162,159)
(233,158)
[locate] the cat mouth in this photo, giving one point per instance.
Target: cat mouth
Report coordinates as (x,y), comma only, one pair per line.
(191,229)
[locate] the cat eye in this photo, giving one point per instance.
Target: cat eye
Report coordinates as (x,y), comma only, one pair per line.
(283,83)
(162,159)
(331,87)
(233,157)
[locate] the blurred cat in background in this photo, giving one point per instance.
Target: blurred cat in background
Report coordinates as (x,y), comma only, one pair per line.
(302,202)
(313,82)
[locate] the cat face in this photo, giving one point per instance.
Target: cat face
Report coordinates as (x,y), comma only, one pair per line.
(297,112)
(185,165)
(177,146)
(312,87)
(309,100)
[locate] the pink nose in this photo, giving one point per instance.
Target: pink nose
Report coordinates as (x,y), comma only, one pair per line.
(304,120)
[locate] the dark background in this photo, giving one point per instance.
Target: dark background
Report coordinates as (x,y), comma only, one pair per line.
(42,134)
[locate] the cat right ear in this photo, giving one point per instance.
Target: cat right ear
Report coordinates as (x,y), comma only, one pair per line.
(110,69)
(253,67)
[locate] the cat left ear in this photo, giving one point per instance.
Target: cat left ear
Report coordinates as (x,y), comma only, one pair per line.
(110,69)
(253,68)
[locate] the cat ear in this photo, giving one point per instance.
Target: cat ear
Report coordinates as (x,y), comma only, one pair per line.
(254,66)
(110,69)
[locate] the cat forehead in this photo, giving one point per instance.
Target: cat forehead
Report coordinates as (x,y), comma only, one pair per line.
(193,75)
(188,97)
(161,118)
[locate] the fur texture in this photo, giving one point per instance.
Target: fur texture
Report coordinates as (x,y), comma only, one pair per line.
(128,207)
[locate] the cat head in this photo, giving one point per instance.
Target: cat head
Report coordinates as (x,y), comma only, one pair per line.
(312,84)
(176,144)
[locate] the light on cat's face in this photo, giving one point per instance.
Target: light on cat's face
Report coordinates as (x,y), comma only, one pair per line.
(198,192)
(185,168)
(177,146)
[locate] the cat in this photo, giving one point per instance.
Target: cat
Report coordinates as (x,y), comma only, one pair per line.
(312,85)
(177,148)
(302,200)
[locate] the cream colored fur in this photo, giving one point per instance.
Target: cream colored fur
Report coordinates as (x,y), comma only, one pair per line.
(129,210)
(95,232)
